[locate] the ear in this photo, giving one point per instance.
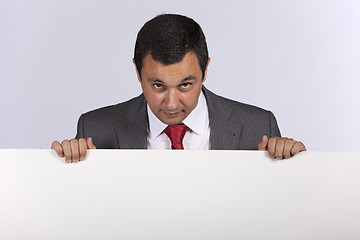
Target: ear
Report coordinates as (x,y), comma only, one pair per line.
(137,72)
(205,73)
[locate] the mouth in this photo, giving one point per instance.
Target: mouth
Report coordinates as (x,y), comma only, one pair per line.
(171,114)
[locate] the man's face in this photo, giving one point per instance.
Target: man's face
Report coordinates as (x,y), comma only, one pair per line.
(172,91)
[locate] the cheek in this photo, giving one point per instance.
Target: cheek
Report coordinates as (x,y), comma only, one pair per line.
(189,100)
(154,99)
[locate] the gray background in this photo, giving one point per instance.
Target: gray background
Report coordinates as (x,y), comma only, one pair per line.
(300,59)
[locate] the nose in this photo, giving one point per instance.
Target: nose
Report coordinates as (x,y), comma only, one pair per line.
(172,100)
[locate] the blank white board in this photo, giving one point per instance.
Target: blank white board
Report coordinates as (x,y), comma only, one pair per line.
(142,194)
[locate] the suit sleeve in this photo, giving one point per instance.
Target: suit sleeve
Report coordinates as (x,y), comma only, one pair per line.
(80,128)
(274,129)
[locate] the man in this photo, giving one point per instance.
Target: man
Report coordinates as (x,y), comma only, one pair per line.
(176,110)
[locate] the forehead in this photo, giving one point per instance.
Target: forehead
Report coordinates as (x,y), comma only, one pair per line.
(188,65)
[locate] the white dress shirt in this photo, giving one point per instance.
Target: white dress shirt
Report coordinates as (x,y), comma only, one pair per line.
(197,137)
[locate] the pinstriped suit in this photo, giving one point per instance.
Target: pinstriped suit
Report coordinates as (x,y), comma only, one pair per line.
(233,125)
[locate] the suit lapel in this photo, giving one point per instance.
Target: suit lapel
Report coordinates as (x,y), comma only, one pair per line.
(131,131)
(225,133)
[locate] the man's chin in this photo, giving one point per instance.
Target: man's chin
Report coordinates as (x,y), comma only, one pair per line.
(172,121)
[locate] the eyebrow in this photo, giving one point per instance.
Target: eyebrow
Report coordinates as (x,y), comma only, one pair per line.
(188,78)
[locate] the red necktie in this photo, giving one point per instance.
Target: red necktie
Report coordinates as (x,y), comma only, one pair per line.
(176,134)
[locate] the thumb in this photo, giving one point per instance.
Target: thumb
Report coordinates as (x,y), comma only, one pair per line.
(90,143)
(263,144)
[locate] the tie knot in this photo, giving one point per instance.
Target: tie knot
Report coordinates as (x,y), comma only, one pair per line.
(176,134)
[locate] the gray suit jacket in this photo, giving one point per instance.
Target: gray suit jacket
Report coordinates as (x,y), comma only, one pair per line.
(233,125)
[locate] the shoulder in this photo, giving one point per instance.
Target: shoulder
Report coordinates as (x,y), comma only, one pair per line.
(118,110)
(106,118)
(253,121)
(101,124)
(227,106)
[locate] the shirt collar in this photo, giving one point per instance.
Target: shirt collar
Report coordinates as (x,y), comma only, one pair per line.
(195,120)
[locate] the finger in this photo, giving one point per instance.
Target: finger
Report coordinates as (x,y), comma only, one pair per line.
(58,149)
(75,150)
(264,141)
(289,143)
(90,143)
(67,150)
(279,148)
(298,147)
(82,148)
(271,146)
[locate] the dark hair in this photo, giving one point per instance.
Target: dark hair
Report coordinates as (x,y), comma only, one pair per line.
(168,37)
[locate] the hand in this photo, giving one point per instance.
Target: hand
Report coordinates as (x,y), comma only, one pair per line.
(74,150)
(280,148)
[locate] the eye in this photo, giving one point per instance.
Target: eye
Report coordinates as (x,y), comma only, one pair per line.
(185,85)
(158,85)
